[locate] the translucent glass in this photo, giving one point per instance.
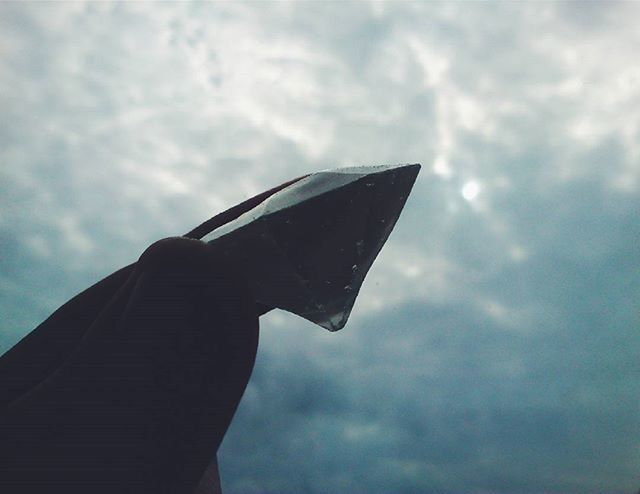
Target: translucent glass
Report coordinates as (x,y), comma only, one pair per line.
(307,248)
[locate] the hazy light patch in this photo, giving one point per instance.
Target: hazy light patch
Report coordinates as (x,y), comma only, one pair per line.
(362,432)
(501,182)
(445,131)
(434,65)
(74,236)
(410,268)
(626,182)
(395,61)
(278,319)
(170,181)
(441,167)
(38,246)
(498,312)
(587,130)
(471,115)
(402,274)
(510,318)
(470,190)
(381,290)
(518,253)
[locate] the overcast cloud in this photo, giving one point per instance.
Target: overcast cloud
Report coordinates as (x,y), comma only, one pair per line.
(494,346)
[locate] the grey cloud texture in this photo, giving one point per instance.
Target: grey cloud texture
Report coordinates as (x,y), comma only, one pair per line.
(494,344)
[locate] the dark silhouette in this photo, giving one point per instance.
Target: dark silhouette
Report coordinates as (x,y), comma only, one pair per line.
(131,385)
(143,400)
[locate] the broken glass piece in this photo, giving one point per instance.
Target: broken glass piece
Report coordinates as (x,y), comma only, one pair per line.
(308,247)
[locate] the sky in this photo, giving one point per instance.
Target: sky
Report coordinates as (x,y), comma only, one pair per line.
(494,345)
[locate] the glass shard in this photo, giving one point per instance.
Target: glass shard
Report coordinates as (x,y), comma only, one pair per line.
(307,248)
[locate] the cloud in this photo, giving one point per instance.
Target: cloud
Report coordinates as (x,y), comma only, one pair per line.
(493,345)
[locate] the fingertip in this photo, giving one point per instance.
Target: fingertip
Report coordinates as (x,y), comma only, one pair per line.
(173,253)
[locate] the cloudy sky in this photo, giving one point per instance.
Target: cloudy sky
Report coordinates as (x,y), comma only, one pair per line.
(494,346)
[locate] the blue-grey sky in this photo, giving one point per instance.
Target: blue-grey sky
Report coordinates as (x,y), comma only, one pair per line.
(494,347)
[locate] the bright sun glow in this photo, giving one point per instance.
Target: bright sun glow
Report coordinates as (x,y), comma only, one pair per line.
(470,190)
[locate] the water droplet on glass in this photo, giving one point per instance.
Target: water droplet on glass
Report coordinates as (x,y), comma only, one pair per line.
(348,288)
(354,268)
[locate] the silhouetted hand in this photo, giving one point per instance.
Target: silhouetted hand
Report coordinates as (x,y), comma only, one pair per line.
(131,388)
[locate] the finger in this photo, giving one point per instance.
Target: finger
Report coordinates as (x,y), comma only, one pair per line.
(41,439)
(45,348)
(149,402)
(219,358)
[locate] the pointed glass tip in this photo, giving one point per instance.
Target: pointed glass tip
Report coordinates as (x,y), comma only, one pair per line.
(309,246)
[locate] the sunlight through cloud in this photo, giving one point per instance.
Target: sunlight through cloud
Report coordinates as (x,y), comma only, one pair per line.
(470,190)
